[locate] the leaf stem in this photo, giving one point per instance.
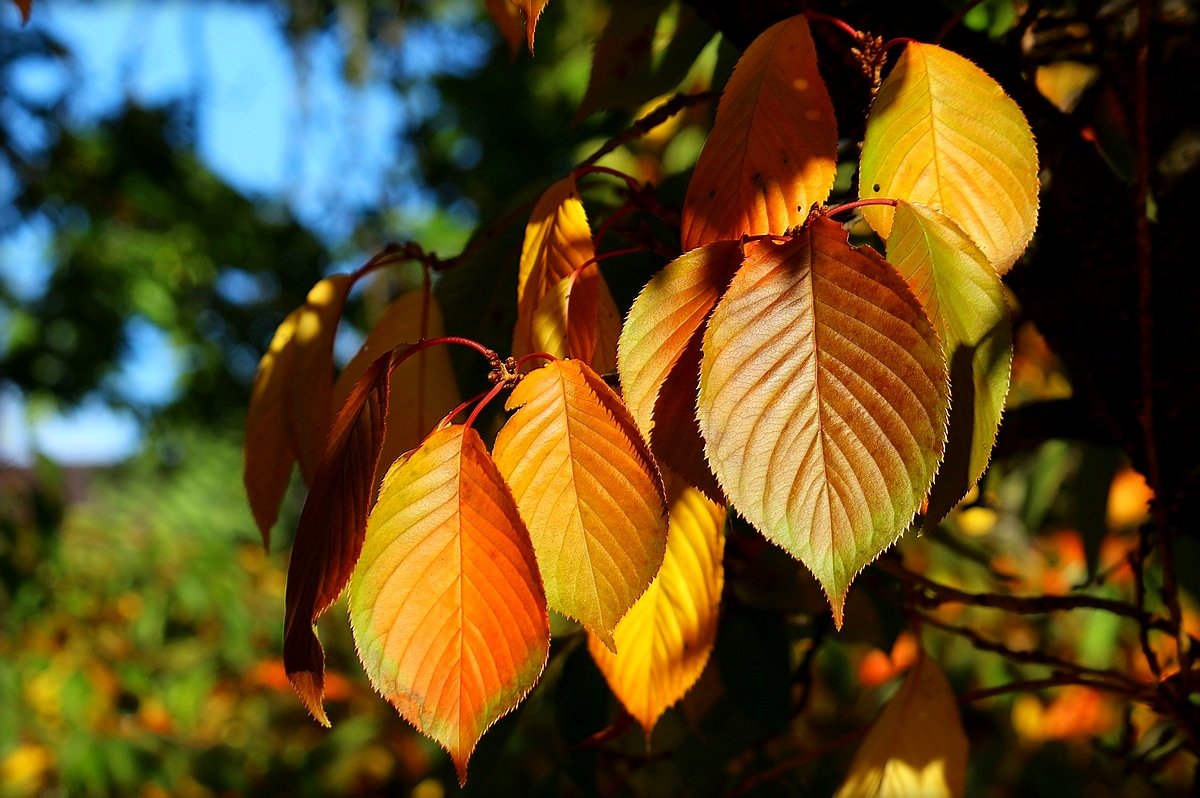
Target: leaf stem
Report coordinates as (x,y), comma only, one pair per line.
(523,359)
(449,417)
(840,24)
(860,203)
(489,396)
(631,182)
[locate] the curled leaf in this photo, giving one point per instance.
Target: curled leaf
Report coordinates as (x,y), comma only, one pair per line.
(823,399)
(943,133)
(330,534)
(588,489)
(665,639)
(446,605)
(772,152)
(965,301)
(290,407)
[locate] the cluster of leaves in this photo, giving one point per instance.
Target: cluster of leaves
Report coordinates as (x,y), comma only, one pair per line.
(773,367)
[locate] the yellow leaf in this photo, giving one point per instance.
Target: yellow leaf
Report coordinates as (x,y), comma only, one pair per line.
(557,242)
(577,318)
(772,152)
(666,637)
(508,20)
(823,399)
(423,388)
(917,746)
(942,133)
(533,11)
(589,491)
(447,609)
(963,296)
(1064,82)
(290,406)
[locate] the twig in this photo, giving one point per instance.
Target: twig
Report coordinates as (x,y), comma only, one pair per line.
(648,122)
(793,762)
(1034,685)
(952,23)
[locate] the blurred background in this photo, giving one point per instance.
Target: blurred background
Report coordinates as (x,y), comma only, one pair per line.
(174,176)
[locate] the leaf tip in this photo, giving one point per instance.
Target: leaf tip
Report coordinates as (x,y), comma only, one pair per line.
(460,766)
(311,689)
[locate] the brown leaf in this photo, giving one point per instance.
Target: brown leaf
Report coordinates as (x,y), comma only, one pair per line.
(332,525)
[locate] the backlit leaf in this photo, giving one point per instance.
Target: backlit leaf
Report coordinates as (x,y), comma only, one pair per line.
(557,242)
(578,318)
(26,6)
(772,152)
(963,296)
(823,398)
(588,490)
(942,133)
(330,534)
(532,9)
(917,745)
(666,637)
(290,407)
(446,605)
(508,20)
(423,388)
(659,355)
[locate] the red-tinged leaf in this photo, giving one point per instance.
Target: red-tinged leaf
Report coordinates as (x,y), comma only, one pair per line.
(330,534)
(533,11)
(578,318)
(772,152)
(659,355)
(917,746)
(823,401)
(665,640)
(290,407)
(423,387)
(588,489)
(26,6)
(447,607)
(558,242)
(508,20)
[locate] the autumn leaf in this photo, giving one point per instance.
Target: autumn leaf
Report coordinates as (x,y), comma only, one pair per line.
(557,242)
(772,151)
(26,6)
(942,133)
(665,639)
(330,534)
(823,399)
(963,296)
(532,9)
(659,355)
(917,745)
(423,387)
(290,405)
(577,318)
(508,20)
(446,605)
(588,489)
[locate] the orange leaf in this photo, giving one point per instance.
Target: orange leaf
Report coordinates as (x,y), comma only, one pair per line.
(508,19)
(447,608)
(578,318)
(772,152)
(533,11)
(666,637)
(659,355)
(423,387)
(589,491)
(557,242)
(330,534)
(823,401)
(290,407)
(917,745)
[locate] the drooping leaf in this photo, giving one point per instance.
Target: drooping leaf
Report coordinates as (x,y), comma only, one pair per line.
(446,605)
(676,439)
(942,133)
(557,242)
(664,641)
(508,20)
(422,388)
(917,745)
(588,489)
(330,534)
(823,398)
(772,152)
(578,318)
(532,9)
(25,6)
(290,406)
(645,50)
(963,296)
